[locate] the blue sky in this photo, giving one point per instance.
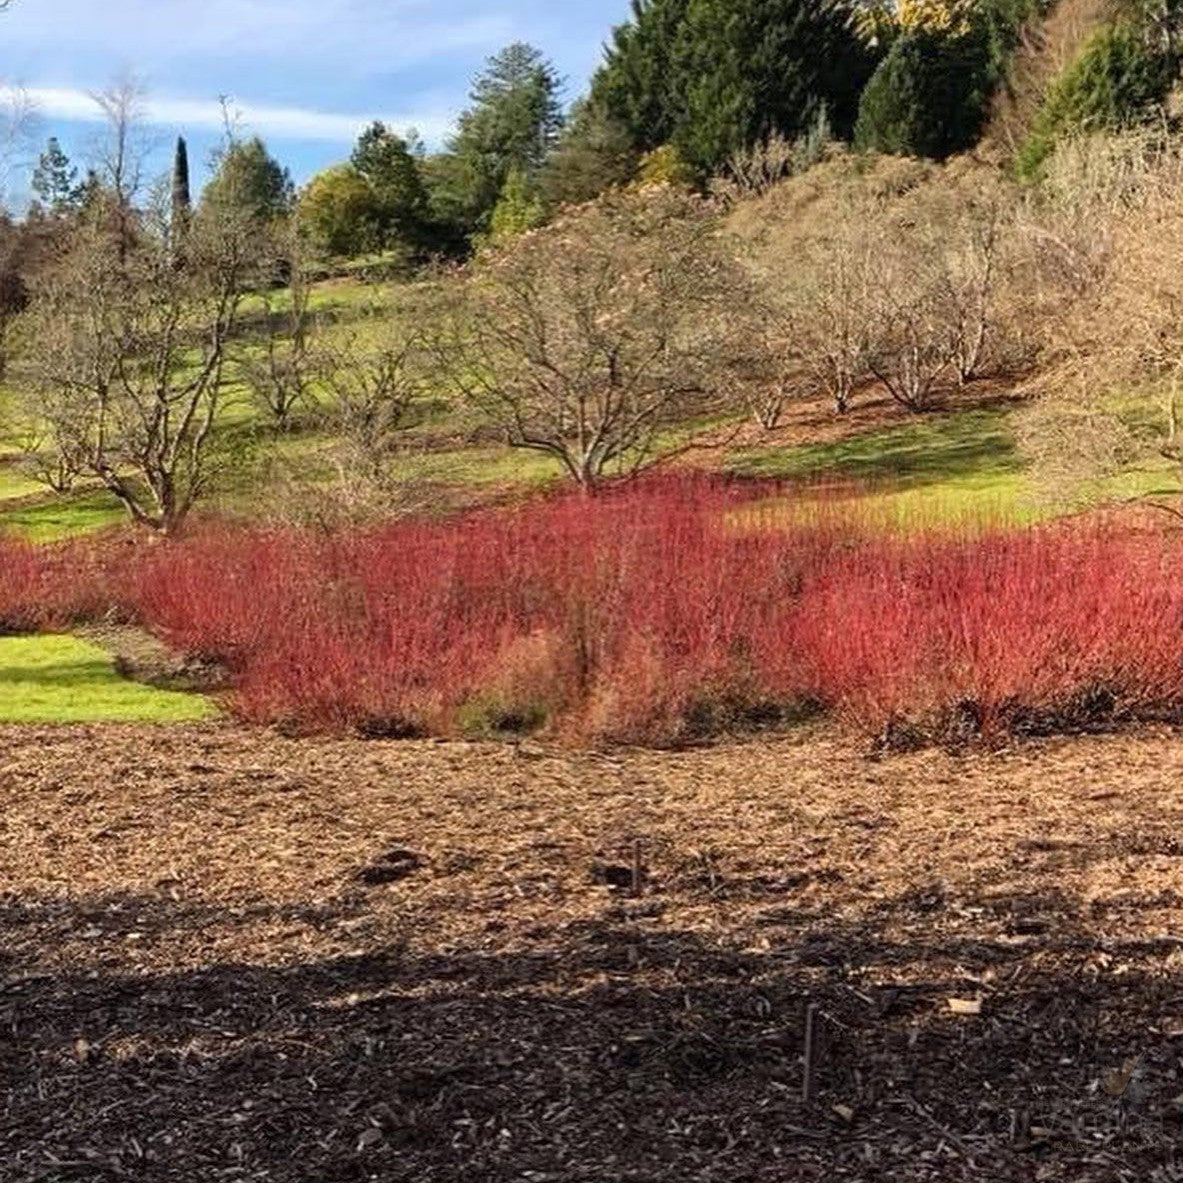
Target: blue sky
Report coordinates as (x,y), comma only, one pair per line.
(304,74)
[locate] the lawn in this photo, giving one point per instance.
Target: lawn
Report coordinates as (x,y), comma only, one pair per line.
(925,450)
(60,679)
(56,518)
(14,484)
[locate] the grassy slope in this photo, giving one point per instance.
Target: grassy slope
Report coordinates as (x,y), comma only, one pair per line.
(57,679)
(916,469)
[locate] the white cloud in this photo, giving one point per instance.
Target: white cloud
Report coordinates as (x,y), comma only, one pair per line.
(350,37)
(283,123)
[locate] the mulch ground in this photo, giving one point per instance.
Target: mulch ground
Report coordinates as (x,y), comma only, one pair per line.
(230,956)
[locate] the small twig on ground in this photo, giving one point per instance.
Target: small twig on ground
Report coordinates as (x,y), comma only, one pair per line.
(810,1052)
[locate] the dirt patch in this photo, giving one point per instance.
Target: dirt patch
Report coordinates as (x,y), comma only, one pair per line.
(226,955)
(142,657)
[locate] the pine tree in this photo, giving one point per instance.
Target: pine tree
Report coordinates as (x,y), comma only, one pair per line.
(386,163)
(1114,82)
(55,180)
(250,180)
(595,153)
(636,83)
(928,97)
(514,123)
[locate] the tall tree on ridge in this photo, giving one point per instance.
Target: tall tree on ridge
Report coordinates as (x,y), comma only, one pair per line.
(513,124)
(55,180)
(384,161)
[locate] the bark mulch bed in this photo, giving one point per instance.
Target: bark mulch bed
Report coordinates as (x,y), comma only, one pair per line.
(230,956)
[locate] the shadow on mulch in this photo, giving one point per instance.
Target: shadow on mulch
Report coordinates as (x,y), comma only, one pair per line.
(610,1050)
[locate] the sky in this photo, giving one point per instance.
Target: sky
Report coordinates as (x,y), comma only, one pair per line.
(306,75)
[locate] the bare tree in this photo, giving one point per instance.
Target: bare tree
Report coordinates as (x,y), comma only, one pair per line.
(764,362)
(831,301)
(372,386)
(18,117)
(125,359)
(756,170)
(589,339)
(914,327)
(119,155)
(1114,358)
(281,371)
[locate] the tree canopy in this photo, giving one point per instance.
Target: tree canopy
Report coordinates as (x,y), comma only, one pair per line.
(513,124)
(713,76)
(250,180)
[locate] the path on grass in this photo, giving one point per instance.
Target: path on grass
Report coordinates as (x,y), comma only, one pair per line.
(226,955)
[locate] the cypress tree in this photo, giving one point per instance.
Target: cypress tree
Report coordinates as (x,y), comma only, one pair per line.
(928,98)
(182,200)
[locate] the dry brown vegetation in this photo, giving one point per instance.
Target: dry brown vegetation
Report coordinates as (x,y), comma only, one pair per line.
(892,270)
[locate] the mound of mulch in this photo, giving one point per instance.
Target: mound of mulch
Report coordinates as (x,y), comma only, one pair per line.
(142,657)
(230,956)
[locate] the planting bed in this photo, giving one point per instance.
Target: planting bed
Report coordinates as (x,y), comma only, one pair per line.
(230,956)
(666,612)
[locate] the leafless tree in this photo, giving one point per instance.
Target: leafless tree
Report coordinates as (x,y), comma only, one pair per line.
(591,338)
(124,361)
(832,302)
(1113,313)
(119,155)
(914,328)
(120,150)
(373,381)
(756,170)
(280,371)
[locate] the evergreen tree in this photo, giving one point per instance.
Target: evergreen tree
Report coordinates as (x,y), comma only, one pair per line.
(249,179)
(182,201)
(636,83)
(1115,81)
(55,180)
(714,76)
(595,153)
(513,123)
(928,97)
(754,68)
(384,160)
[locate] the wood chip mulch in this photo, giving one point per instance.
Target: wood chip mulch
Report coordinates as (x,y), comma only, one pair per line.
(226,955)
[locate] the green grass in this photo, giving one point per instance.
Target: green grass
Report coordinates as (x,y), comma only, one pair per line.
(60,679)
(499,464)
(926,450)
(14,484)
(957,469)
(62,517)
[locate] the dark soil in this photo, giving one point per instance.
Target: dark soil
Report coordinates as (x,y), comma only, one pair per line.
(230,956)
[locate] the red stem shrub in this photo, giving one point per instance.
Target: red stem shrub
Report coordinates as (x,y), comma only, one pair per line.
(652,613)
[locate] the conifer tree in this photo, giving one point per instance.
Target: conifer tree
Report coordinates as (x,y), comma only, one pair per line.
(55,180)
(715,76)
(514,123)
(182,202)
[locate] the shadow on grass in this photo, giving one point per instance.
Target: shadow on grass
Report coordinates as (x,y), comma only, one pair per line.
(52,517)
(926,450)
(605,1048)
